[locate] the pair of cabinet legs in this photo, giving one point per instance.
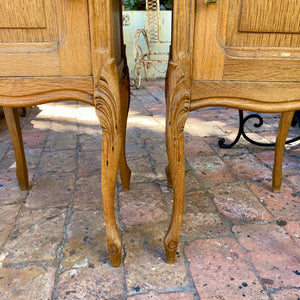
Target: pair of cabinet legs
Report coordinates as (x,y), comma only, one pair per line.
(178,107)
(112,105)
(113,159)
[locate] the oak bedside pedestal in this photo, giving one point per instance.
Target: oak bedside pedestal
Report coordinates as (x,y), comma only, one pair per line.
(243,54)
(52,50)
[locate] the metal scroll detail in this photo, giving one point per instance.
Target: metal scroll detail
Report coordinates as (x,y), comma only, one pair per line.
(242,121)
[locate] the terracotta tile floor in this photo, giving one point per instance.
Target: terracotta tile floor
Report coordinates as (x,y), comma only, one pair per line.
(239,240)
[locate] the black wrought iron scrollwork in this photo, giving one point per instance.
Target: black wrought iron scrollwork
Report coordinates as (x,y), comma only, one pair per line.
(241,132)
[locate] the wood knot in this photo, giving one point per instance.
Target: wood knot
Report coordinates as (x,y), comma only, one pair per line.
(172,245)
(113,250)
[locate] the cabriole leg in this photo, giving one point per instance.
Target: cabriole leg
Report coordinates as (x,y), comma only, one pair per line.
(178,100)
(108,109)
(282,132)
(13,124)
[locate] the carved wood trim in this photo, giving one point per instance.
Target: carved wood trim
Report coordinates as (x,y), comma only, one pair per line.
(28,91)
(107,104)
(178,104)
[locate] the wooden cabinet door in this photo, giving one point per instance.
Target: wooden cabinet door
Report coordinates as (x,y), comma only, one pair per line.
(44,38)
(252,40)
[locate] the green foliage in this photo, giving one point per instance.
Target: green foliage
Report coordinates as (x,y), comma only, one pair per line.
(169,3)
(132,4)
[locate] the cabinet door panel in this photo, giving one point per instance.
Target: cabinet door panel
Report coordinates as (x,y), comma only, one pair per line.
(22,14)
(44,38)
(261,41)
(257,23)
(282,16)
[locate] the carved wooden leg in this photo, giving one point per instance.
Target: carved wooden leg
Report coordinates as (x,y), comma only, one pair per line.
(108,109)
(125,172)
(178,100)
(13,124)
(282,132)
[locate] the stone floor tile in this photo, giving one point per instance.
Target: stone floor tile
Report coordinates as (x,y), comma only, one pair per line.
(286,294)
(197,200)
(35,237)
(89,163)
(8,163)
(90,142)
(37,123)
(8,213)
(34,139)
(248,168)
(290,166)
(147,207)
(134,150)
(90,128)
(28,282)
(211,170)
(156,108)
(3,149)
(231,153)
(58,161)
(195,146)
(164,296)
(5,229)
(61,141)
(198,127)
(51,190)
(284,205)
(62,124)
(145,266)
(236,202)
(87,194)
(294,180)
(202,225)
(93,282)
(86,240)
(9,189)
(141,170)
(219,269)
(272,252)
(191,183)
(293,228)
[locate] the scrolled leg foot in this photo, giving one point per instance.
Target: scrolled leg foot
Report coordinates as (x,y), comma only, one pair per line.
(171,249)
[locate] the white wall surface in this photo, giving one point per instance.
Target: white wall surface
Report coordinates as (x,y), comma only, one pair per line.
(135,20)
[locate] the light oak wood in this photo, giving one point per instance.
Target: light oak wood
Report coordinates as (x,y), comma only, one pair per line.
(13,124)
(53,50)
(238,54)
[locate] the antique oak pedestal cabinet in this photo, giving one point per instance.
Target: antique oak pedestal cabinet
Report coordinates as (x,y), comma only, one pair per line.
(243,54)
(52,50)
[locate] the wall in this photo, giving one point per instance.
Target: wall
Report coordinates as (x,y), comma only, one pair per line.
(133,20)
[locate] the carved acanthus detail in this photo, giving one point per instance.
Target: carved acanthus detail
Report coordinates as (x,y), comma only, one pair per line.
(178,105)
(106,95)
